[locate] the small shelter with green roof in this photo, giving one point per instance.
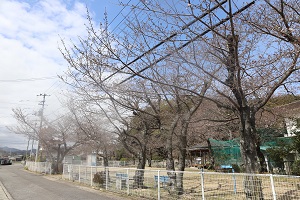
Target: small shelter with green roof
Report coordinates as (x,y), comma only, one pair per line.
(225,152)
(228,152)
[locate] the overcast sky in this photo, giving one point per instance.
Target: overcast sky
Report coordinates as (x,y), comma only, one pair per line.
(30,32)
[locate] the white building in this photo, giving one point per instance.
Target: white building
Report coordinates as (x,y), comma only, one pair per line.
(291,115)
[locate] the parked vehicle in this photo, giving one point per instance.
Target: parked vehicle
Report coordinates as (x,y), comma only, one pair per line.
(5,161)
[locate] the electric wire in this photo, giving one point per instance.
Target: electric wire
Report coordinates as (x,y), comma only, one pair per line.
(111,32)
(53,77)
(28,79)
(162,42)
(187,43)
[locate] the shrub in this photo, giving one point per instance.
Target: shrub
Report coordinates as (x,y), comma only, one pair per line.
(296,168)
(124,159)
(99,178)
(236,168)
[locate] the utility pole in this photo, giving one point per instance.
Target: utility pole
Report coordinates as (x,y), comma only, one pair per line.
(42,103)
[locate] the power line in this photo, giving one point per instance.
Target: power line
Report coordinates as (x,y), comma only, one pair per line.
(119,14)
(29,79)
(124,18)
(165,40)
(53,87)
(184,45)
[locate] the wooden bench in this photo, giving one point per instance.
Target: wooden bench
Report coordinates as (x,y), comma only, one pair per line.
(163,180)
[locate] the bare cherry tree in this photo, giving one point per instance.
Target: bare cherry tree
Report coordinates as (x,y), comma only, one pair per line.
(101,69)
(95,128)
(26,124)
(124,114)
(182,46)
(249,53)
(57,138)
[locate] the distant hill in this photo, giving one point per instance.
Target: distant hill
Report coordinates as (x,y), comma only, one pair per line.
(7,149)
(14,151)
(281,100)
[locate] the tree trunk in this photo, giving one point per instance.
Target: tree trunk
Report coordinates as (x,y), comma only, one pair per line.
(55,162)
(105,161)
(169,160)
(139,173)
(170,163)
(248,134)
(261,157)
(150,159)
(181,162)
(60,165)
(105,158)
(248,146)
(149,162)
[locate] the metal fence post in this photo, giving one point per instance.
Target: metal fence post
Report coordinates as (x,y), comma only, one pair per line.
(127,181)
(91,175)
(202,184)
(85,175)
(106,178)
(79,174)
(69,170)
(234,181)
(272,186)
(158,185)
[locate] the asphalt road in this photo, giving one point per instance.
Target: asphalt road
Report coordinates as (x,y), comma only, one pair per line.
(24,185)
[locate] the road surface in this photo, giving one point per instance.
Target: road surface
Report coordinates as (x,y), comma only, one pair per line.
(24,185)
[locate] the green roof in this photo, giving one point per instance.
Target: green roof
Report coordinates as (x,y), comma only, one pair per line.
(228,151)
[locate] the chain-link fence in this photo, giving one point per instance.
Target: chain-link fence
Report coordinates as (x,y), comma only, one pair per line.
(161,184)
(41,167)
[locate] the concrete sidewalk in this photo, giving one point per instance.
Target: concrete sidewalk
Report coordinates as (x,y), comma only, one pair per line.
(4,195)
